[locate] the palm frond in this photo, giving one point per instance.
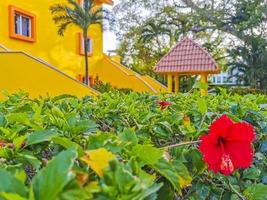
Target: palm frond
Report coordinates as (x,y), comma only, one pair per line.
(62,28)
(57,8)
(80,15)
(61,19)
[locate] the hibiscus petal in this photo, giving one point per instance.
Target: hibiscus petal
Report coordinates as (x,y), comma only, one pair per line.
(240,153)
(241,131)
(211,152)
(220,126)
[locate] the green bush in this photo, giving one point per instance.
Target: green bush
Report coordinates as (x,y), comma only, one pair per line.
(113,147)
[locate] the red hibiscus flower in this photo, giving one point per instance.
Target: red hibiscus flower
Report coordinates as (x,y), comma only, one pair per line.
(227,147)
(3,143)
(164,104)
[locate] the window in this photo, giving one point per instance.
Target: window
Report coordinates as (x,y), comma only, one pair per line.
(224,79)
(89,47)
(219,79)
(21,25)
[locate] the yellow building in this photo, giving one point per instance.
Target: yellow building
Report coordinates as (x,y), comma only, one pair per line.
(29,42)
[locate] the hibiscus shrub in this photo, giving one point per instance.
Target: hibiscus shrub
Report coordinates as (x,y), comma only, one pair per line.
(133,147)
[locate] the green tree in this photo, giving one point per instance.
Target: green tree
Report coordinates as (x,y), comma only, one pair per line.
(81,16)
(146,31)
(249,64)
(246,22)
(222,27)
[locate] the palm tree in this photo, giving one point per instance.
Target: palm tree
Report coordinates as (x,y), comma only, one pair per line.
(81,16)
(152,31)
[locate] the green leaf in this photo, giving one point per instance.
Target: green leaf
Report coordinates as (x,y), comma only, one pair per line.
(166,192)
(62,96)
(195,162)
(81,126)
(168,171)
(263,147)
(107,140)
(200,85)
(21,175)
(149,191)
(184,177)
(11,196)
(148,154)
(67,143)
(202,106)
(40,136)
(74,191)
(57,112)
(252,173)
(51,180)
(128,136)
(18,141)
(256,192)
(2,120)
(22,118)
(10,184)
(28,157)
(203,191)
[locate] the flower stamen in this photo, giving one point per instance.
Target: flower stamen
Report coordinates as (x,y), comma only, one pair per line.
(227,164)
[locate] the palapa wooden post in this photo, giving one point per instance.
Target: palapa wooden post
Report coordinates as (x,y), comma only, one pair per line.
(204,79)
(177,84)
(169,83)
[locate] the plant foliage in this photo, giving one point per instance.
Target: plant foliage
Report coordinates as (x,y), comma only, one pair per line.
(114,147)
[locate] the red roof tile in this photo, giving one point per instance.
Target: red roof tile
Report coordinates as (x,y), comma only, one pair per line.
(187,57)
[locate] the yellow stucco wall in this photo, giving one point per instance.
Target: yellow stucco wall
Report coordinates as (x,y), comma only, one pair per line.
(63,52)
(19,71)
(155,84)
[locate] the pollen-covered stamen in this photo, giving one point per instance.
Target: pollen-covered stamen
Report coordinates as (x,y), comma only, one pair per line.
(226,164)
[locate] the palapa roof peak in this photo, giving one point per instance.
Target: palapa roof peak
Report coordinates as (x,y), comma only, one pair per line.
(187,57)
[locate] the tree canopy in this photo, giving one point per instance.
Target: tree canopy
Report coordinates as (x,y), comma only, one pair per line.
(233,31)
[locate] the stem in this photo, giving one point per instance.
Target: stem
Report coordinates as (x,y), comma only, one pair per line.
(236,192)
(180,144)
(202,121)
